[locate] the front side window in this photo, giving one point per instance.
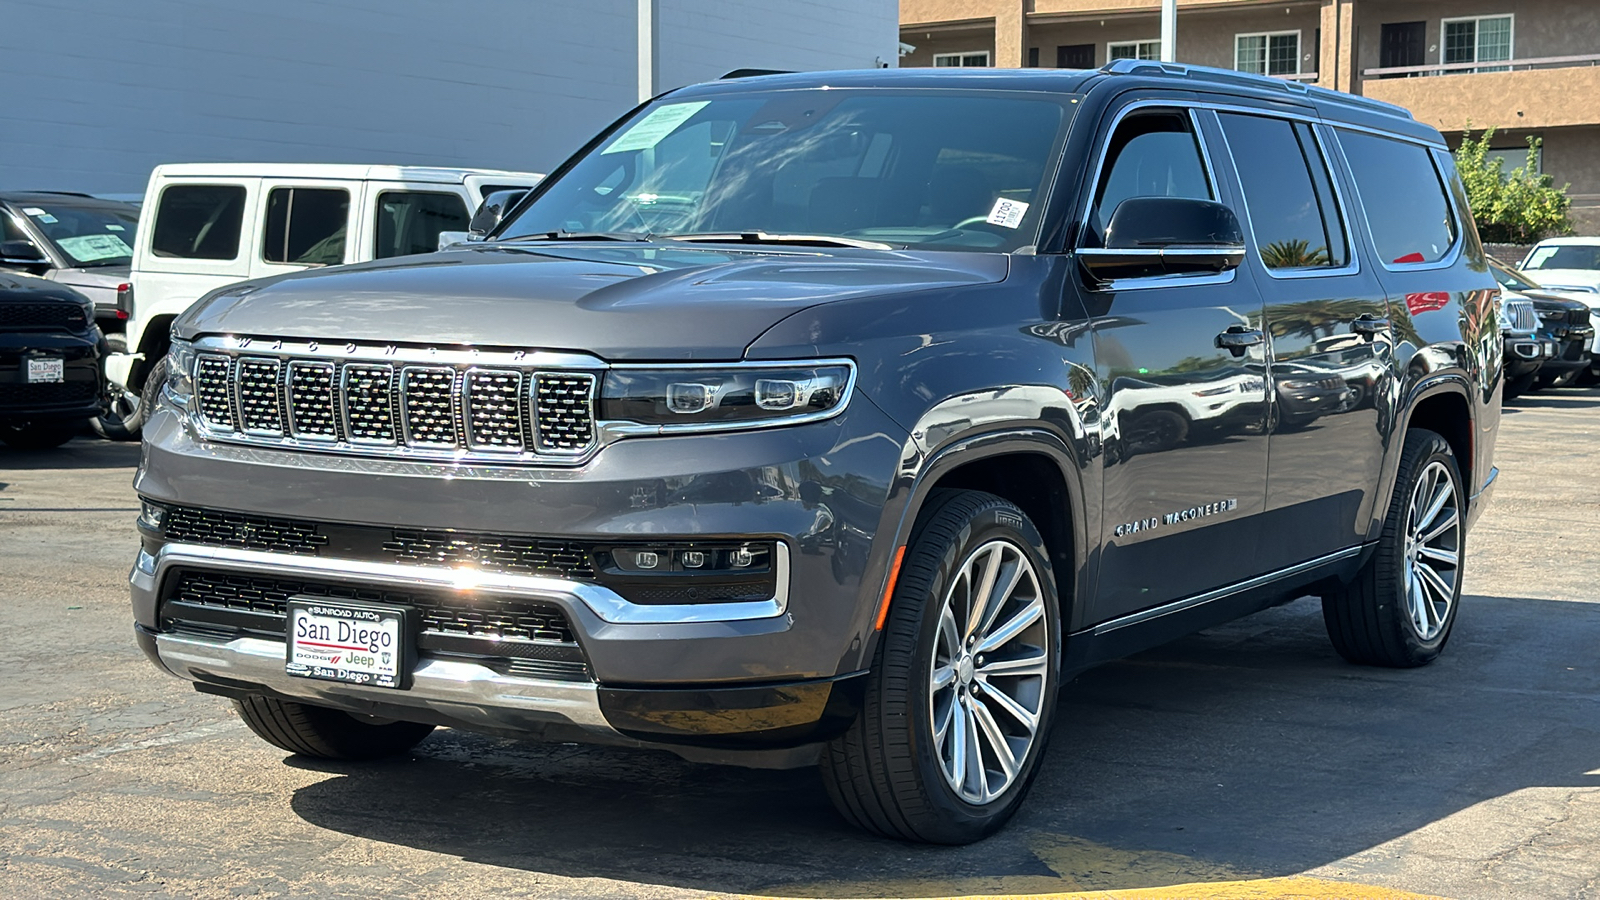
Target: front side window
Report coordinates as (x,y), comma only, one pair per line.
(1404,198)
(410,221)
(306,226)
(1477,40)
(1267,54)
(1134,50)
(957,170)
(976,58)
(1151,154)
(198,221)
(1288,192)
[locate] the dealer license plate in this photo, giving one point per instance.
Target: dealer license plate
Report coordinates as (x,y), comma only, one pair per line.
(351,642)
(46,370)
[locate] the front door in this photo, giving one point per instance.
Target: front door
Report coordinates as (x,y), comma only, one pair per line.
(1402,44)
(1185,436)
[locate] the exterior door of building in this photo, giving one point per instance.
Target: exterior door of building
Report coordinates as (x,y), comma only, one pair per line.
(1403,44)
(1075,56)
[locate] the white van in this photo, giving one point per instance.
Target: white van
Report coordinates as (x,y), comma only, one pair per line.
(205,225)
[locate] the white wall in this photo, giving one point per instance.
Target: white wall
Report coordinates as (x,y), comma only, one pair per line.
(99,91)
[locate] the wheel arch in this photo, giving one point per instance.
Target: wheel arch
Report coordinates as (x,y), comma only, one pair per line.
(1441,404)
(154,342)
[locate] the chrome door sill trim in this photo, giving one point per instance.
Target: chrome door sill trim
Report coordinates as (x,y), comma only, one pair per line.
(608,605)
(1218,594)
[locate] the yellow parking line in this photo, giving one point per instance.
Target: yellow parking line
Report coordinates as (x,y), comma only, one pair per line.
(1295,888)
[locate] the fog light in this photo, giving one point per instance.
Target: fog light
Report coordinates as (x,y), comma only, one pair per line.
(693,559)
(645,559)
(741,558)
(152,516)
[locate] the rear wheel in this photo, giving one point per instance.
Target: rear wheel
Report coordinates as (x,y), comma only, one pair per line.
(326,733)
(38,435)
(963,685)
(1399,609)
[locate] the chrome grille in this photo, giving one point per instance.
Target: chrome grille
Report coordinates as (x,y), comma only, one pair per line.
(428,396)
(311,410)
(1521,315)
(565,412)
(260,411)
(450,405)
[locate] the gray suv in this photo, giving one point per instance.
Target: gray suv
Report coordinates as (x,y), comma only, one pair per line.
(839,418)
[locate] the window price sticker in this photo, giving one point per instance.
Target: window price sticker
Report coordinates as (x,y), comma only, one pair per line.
(1007,213)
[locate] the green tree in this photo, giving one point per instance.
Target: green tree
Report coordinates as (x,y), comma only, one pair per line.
(1518,207)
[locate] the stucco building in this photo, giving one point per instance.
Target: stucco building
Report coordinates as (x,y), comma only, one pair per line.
(1526,67)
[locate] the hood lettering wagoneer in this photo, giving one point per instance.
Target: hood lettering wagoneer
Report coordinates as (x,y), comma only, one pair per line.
(839,418)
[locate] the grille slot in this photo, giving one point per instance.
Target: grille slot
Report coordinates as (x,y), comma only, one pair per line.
(494,413)
(42,317)
(260,408)
(497,618)
(495,553)
(211,377)
(48,394)
(565,412)
(369,403)
(428,396)
(204,526)
(311,402)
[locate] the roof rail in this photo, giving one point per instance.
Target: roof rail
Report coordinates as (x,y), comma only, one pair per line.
(1247,79)
(752,73)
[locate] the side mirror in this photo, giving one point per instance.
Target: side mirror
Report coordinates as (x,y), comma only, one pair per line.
(449,238)
(21,253)
(1166,236)
(491,211)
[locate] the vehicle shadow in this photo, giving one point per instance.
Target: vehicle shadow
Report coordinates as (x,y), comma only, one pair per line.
(1557,398)
(78,453)
(1247,750)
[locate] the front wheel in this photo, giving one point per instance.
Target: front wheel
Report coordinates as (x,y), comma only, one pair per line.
(129,410)
(326,733)
(963,685)
(1399,609)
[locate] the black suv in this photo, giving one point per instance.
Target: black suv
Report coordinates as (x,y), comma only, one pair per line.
(842,417)
(50,369)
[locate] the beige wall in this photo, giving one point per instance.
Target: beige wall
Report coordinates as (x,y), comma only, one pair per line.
(965,40)
(1537,98)
(1204,37)
(1539,28)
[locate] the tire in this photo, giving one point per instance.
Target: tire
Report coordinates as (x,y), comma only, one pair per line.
(323,733)
(1154,431)
(128,412)
(888,773)
(1393,613)
(38,435)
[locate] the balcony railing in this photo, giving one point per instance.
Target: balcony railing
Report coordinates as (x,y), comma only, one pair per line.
(1507,65)
(1309,77)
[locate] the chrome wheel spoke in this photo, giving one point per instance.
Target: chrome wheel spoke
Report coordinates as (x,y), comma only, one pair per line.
(1013,626)
(1440,528)
(1021,714)
(1036,663)
(1434,582)
(956,767)
(983,588)
(999,747)
(1433,551)
(942,677)
(1448,557)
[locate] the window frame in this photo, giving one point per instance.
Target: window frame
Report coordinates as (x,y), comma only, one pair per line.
(1511,40)
(1352,264)
(245,235)
(1136,44)
(988,59)
(1453,253)
(352,219)
(1266,61)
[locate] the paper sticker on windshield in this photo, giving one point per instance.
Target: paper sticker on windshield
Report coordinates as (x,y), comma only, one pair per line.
(1007,213)
(648,131)
(33,211)
(90,248)
(115,228)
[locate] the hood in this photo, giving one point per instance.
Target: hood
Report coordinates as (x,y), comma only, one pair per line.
(643,301)
(98,283)
(1558,279)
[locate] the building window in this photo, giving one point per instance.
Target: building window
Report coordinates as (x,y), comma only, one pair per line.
(1514,158)
(1274,53)
(1477,40)
(1134,50)
(980,58)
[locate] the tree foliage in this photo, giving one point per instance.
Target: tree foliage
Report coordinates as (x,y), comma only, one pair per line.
(1516,207)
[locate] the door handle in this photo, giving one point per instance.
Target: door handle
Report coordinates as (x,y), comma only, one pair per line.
(1239,338)
(1369,325)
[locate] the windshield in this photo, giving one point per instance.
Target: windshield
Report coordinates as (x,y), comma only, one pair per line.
(1564,256)
(942,170)
(88,235)
(1508,279)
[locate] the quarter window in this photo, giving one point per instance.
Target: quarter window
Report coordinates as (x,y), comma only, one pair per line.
(198,221)
(979,58)
(410,221)
(1134,50)
(306,226)
(1404,198)
(1476,40)
(1267,54)
(1152,154)
(1287,191)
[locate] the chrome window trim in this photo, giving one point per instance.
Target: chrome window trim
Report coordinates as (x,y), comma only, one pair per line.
(607,605)
(1166,281)
(1353,266)
(1451,256)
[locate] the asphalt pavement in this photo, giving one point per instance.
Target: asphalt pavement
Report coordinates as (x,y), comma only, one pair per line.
(1243,753)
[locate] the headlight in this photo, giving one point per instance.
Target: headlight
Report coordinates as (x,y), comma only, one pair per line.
(180,372)
(712,398)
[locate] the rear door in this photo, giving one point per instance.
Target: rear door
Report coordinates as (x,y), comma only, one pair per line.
(304,223)
(1185,458)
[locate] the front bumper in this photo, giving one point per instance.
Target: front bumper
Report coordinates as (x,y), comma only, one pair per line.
(81,395)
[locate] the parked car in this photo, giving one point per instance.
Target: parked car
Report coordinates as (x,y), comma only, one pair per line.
(1565,264)
(1564,322)
(1525,350)
(825,473)
(50,349)
(212,224)
(83,242)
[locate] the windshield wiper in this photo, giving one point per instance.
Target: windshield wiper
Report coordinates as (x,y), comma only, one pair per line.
(761,237)
(563,235)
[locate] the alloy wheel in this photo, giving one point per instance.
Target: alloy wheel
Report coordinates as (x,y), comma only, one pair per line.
(990,669)
(1433,550)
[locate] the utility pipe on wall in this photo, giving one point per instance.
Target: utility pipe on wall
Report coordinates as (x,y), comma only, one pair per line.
(1169,30)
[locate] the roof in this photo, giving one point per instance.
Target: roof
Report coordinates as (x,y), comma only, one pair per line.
(343,171)
(1570,242)
(1053,80)
(57,198)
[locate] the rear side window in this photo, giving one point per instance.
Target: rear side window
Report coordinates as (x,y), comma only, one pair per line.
(306,226)
(410,221)
(1403,197)
(1150,155)
(198,221)
(1288,192)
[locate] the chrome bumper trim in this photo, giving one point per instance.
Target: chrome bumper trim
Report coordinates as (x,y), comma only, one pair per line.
(463,691)
(609,606)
